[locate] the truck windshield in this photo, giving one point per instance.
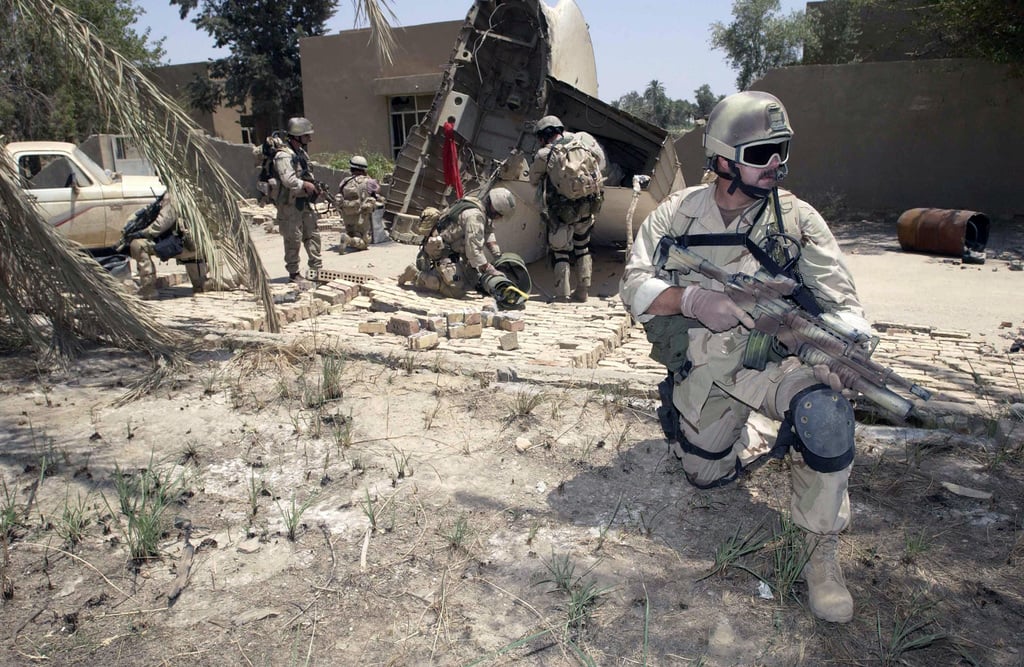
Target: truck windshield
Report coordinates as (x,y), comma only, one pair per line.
(94,169)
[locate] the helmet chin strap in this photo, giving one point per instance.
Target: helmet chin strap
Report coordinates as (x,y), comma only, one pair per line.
(737,183)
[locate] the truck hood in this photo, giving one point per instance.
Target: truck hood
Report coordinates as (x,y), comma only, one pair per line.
(141,186)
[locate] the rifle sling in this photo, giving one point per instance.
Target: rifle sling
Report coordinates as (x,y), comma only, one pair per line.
(801,295)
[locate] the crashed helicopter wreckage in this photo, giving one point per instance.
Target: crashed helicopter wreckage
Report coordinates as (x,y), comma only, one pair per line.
(512,64)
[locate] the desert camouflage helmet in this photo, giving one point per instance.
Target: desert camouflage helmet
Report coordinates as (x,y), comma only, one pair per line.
(547,123)
(299,126)
(744,118)
(502,201)
(358,162)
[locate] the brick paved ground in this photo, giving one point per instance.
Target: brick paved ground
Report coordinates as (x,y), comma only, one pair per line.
(593,343)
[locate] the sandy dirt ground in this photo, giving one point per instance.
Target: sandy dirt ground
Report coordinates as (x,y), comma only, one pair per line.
(290,507)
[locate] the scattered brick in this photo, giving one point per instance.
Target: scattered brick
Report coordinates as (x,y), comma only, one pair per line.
(436,323)
(465,330)
(510,323)
(404,324)
(509,341)
(373,327)
(424,340)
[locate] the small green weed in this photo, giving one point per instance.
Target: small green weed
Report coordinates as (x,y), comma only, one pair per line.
(143,497)
(456,533)
(729,553)
(402,467)
(907,633)
(73,519)
(524,402)
(292,514)
(915,544)
(9,519)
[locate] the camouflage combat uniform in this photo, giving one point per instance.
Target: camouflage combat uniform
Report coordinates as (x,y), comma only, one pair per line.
(450,260)
(296,216)
(143,249)
(718,393)
(569,222)
(356,199)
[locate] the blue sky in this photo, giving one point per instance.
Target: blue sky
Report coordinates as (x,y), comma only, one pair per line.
(665,40)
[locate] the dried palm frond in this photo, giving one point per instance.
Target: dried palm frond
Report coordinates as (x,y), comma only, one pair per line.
(182,154)
(53,293)
(376,13)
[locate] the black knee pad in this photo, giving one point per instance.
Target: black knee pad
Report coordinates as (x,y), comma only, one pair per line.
(820,424)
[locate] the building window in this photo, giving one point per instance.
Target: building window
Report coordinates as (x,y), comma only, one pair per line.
(247,135)
(406,111)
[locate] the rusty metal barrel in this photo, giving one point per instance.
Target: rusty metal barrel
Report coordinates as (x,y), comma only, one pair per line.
(944,232)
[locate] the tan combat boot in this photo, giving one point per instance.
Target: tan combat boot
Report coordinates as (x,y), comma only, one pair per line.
(408,276)
(826,587)
(584,271)
(343,243)
(562,288)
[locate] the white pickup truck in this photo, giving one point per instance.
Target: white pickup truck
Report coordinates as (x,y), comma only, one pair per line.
(88,204)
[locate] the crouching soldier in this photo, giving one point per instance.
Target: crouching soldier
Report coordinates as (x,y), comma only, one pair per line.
(358,196)
(456,255)
(167,237)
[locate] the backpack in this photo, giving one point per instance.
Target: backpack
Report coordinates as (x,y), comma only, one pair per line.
(267,183)
(432,220)
(351,195)
(573,168)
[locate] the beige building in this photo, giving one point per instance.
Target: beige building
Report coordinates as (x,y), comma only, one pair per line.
(359,104)
(224,123)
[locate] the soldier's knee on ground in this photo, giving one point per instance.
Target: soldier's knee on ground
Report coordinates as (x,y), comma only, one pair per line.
(408,276)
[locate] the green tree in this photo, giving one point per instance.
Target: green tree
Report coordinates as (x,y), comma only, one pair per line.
(987,29)
(655,107)
(631,102)
(263,72)
(705,101)
(833,31)
(759,39)
(41,96)
(656,103)
(79,300)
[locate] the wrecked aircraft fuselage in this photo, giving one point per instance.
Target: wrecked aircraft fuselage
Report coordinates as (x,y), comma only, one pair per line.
(514,62)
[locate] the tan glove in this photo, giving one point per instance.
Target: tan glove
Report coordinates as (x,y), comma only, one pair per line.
(715,310)
(837,380)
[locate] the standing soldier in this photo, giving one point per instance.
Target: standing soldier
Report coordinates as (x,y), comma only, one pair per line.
(357,198)
(719,369)
(567,171)
(296,215)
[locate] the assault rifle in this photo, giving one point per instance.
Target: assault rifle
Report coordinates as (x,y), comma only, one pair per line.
(823,339)
(136,225)
(322,194)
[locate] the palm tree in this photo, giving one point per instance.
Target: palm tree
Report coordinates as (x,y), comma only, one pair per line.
(656,103)
(44,274)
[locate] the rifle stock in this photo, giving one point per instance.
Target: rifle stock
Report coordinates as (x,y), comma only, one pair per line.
(823,339)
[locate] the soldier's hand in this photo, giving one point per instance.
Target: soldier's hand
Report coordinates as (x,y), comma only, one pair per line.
(715,310)
(309,187)
(837,379)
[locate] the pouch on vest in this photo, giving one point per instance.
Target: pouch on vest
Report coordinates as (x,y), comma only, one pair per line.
(168,246)
(669,339)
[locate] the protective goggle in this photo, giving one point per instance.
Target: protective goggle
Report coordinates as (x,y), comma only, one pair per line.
(760,154)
